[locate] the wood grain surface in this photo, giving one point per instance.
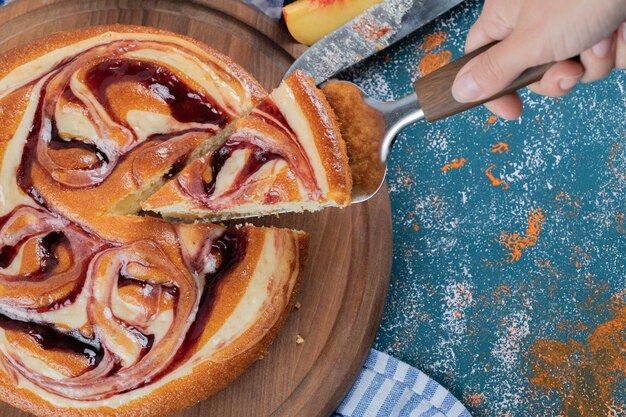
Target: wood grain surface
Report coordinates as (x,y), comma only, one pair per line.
(343,292)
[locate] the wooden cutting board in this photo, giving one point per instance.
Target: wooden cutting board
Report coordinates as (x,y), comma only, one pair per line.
(343,292)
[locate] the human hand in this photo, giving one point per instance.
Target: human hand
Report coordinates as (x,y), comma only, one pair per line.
(535,32)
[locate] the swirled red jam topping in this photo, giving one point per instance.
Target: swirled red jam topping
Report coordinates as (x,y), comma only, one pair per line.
(100,306)
(122,353)
(186,105)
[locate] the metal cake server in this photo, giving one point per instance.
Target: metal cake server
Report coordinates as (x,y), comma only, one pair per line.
(431,101)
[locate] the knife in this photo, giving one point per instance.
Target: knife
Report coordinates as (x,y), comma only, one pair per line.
(372,31)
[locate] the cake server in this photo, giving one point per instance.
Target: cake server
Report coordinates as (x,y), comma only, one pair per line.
(431,101)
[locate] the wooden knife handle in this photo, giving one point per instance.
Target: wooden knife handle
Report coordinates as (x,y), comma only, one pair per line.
(434,90)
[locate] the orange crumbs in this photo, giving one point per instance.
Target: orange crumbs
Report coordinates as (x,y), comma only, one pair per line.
(433,40)
(585,374)
(500,148)
(516,243)
(433,61)
(455,164)
(496,182)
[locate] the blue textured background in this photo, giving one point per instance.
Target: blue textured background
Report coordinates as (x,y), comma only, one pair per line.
(456,309)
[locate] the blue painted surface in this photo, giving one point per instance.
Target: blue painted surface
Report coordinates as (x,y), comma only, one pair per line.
(458,307)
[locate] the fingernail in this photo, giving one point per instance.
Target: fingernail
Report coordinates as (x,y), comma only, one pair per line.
(601,49)
(465,88)
(624,31)
(567,84)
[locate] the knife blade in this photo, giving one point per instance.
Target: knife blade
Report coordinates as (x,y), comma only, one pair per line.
(372,31)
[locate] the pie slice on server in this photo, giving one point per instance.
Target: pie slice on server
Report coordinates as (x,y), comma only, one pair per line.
(286,155)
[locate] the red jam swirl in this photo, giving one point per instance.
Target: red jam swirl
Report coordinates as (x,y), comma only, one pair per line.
(186,105)
(87,273)
(106,373)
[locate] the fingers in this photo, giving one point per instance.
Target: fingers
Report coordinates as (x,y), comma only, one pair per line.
(507,107)
(493,70)
(496,22)
(620,48)
(599,60)
(556,82)
(559,79)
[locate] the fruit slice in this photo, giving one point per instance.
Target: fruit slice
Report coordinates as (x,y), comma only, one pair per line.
(310,20)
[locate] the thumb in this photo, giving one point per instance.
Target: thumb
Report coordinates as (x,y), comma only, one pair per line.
(490,72)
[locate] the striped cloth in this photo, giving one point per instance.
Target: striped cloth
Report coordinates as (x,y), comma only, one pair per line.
(387,387)
(272,8)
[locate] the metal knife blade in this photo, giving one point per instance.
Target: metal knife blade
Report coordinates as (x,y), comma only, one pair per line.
(375,29)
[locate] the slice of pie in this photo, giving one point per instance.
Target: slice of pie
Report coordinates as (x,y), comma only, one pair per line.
(104,312)
(286,155)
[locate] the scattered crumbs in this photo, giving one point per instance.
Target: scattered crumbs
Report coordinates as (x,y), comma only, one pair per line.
(473,399)
(500,148)
(416,227)
(492,119)
(579,257)
(496,182)
(502,292)
(507,348)
(387,58)
(432,61)
(299,340)
(297,305)
(455,164)
(433,40)
(617,161)
(458,297)
(371,29)
(618,222)
(584,374)
(516,243)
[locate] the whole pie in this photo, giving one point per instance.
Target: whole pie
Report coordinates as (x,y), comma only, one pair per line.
(105,310)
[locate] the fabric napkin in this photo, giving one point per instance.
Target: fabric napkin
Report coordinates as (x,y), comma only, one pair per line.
(387,387)
(272,8)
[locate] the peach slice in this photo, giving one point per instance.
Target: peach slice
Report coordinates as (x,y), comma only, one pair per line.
(310,20)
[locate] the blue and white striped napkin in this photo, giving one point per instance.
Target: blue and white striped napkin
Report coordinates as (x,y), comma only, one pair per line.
(388,387)
(272,8)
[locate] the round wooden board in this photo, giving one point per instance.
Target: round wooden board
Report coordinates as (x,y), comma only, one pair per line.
(344,289)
